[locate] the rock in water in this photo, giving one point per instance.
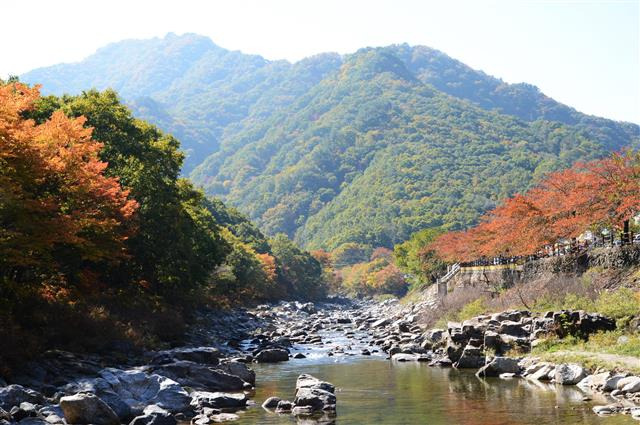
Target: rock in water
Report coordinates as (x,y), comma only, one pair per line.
(315,398)
(271,403)
(202,399)
(154,418)
(272,355)
(308,381)
(202,377)
(130,391)
(313,395)
(87,409)
(569,374)
(498,366)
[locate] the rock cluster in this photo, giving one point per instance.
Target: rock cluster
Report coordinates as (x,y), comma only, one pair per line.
(313,397)
(176,384)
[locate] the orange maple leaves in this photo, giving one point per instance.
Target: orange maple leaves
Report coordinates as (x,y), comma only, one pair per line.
(601,193)
(54,197)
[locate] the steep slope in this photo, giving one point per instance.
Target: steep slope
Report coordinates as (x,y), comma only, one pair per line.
(368,148)
(372,154)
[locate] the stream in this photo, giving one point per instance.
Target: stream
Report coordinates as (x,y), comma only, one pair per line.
(374,390)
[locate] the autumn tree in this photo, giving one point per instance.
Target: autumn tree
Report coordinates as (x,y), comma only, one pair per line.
(602,193)
(178,242)
(59,211)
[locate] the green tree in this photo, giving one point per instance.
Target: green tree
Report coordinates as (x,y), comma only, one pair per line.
(420,263)
(298,271)
(177,244)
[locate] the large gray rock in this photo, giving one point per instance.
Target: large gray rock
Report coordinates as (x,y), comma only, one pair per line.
(217,400)
(308,381)
(272,355)
(201,377)
(204,355)
(569,374)
(13,395)
(129,392)
(403,357)
(238,369)
(271,402)
(544,372)
(513,329)
(380,323)
(630,384)
(499,365)
(87,409)
(471,358)
(315,399)
(612,383)
(154,418)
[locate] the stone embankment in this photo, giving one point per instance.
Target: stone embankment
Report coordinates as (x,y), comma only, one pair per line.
(497,346)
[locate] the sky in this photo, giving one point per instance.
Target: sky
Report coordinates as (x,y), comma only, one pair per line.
(582,53)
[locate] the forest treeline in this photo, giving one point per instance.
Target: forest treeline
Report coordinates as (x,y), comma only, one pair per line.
(101,240)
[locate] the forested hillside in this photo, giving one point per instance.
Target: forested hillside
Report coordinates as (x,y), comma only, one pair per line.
(98,229)
(366,148)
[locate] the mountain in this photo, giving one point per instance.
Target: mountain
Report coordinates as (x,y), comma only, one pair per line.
(187,85)
(367,147)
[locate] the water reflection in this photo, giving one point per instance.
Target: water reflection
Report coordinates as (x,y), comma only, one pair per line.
(375,391)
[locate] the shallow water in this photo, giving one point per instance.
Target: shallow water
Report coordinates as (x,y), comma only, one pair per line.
(371,390)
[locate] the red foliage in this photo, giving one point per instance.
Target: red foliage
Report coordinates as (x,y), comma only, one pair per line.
(601,193)
(54,193)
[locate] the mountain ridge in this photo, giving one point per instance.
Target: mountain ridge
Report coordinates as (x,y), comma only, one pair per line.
(301,146)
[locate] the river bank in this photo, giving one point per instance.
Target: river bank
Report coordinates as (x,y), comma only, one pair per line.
(235,358)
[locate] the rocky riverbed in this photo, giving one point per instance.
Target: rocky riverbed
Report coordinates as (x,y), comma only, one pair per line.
(212,379)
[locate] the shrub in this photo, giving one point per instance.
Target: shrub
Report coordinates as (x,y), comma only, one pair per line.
(619,304)
(474,308)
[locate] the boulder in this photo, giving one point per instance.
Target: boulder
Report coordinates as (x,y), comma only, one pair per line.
(595,382)
(13,395)
(580,323)
(315,399)
(272,355)
(129,392)
(380,323)
(157,417)
(202,377)
(308,308)
(629,384)
(224,417)
(87,409)
(569,374)
(238,369)
(217,400)
(513,329)
(612,383)
(204,355)
(498,366)
(543,372)
(471,358)
(284,406)
(308,381)
(271,402)
(402,357)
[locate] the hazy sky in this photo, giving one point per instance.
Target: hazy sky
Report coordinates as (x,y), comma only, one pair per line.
(583,53)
